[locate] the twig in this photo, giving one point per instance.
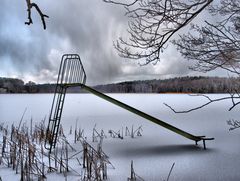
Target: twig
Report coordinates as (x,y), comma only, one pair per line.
(30,5)
(232,97)
(120,3)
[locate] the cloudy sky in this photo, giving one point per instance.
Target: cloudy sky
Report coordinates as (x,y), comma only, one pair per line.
(85,27)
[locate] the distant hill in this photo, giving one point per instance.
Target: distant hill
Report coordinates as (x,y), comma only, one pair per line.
(198,84)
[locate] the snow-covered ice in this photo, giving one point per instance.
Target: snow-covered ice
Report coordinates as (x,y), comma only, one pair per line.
(154,152)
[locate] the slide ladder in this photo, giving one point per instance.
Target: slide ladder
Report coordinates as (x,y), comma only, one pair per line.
(71,71)
(72,74)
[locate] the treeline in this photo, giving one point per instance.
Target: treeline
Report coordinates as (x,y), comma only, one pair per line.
(197,84)
(10,85)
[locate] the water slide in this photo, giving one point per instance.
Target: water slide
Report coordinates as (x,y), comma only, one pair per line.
(72,74)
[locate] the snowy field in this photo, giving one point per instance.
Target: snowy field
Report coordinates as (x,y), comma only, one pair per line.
(153,153)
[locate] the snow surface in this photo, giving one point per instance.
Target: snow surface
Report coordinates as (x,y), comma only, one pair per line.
(153,153)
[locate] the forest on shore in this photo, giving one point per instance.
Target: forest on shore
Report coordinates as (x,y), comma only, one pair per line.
(196,84)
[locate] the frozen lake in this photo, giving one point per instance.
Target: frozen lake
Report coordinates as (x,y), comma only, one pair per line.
(154,152)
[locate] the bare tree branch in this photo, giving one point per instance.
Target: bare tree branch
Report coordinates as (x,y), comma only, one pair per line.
(30,5)
(152,23)
(215,45)
(234,97)
(121,3)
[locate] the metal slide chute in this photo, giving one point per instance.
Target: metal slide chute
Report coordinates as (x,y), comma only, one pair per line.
(72,74)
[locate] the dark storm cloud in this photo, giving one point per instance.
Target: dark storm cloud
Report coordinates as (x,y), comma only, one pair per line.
(86,27)
(90,28)
(23,55)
